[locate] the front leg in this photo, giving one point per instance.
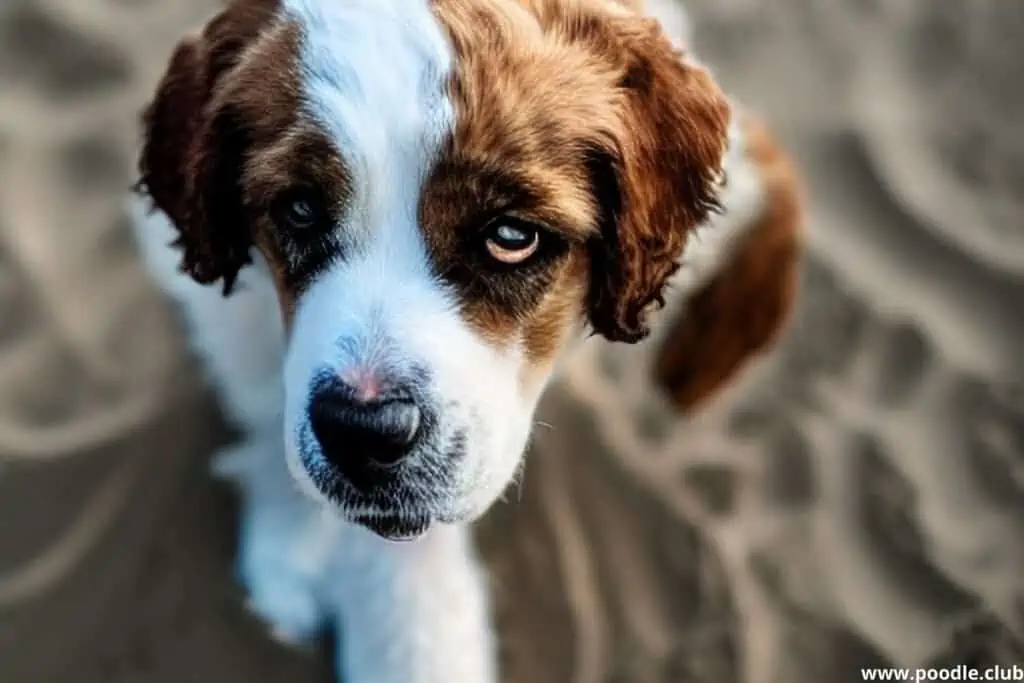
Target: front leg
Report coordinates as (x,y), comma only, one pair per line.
(413,612)
(286,543)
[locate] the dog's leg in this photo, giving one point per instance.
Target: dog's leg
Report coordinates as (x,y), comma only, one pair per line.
(409,613)
(240,340)
(413,612)
(285,542)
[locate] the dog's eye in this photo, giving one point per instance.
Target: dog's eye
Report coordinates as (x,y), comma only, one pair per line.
(299,210)
(511,240)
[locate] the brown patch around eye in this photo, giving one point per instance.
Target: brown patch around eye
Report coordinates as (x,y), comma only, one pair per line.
(554,318)
(499,280)
(301,156)
(530,105)
(283,149)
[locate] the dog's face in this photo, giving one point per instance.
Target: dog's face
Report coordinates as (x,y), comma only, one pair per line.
(446,194)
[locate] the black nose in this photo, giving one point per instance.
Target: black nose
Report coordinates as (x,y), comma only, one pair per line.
(381,431)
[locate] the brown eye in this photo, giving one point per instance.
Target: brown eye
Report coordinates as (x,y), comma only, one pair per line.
(511,241)
(299,210)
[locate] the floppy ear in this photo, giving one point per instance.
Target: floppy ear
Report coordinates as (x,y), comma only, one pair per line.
(742,309)
(193,150)
(658,182)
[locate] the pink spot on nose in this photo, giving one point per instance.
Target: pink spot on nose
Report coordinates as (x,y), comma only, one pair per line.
(366,384)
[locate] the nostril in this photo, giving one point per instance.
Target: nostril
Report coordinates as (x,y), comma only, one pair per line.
(399,421)
(379,431)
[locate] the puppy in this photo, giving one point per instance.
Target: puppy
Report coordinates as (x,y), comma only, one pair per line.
(386,223)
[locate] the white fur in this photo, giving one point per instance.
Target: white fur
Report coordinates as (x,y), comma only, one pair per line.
(374,74)
(409,613)
(240,338)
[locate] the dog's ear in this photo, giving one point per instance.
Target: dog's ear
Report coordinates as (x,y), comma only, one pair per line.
(193,148)
(741,310)
(656,182)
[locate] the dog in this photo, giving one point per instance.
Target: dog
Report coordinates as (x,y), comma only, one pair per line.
(387,223)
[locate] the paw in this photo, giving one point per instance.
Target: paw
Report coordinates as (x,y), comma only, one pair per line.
(280,564)
(291,613)
(283,597)
(283,546)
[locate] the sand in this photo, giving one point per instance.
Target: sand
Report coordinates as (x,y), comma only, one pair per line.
(857,500)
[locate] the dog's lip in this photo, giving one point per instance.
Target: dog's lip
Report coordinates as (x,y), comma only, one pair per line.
(396,528)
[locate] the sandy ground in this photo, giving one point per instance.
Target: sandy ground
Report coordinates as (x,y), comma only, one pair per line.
(858,500)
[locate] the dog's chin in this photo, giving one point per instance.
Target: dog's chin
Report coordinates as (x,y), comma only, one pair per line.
(394,527)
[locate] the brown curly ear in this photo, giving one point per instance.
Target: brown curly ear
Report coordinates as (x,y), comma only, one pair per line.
(192,151)
(741,311)
(659,182)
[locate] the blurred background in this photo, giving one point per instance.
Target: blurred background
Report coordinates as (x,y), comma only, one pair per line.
(856,500)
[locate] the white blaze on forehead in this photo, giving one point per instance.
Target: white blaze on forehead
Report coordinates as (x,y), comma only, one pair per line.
(374,76)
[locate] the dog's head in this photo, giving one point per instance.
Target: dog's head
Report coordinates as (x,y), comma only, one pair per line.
(446,194)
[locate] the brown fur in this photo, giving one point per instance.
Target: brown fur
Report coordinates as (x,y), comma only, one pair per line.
(597,128)
(202,124)
(742,310)
(576,114)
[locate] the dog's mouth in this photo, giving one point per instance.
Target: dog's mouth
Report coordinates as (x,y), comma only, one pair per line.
(396,528)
